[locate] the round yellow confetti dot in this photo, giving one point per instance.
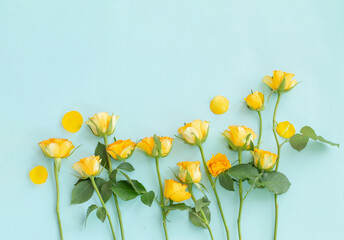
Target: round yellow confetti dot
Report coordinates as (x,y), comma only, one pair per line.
(38,175)
(219,105)
(72,121)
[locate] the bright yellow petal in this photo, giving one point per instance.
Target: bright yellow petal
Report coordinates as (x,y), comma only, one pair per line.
(38,175)
(72,121)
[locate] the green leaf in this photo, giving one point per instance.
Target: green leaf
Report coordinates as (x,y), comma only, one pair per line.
(275,182)
(321,139)
(309,132)
(99,182)
(178,206)
(89,210)
(101,214)
(106,191)
(138,187)
(298,141)
(243,171)
(147,198)
(200,203)
(197,218)
(124,190)
(113,175)
(101,151)
(282,84)
(126,167)
(82,192)
(226,181)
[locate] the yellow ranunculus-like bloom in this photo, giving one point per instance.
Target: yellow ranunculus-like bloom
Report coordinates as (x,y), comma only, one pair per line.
(38,175)
(219,105)
(176,191)
(218,164)
(255,101)
(121,149)
(147,145)
(264,160)
(285,129)
(102,124)
(237,136)
(192,168)
(275,81)
(195,131)
(88,167)
(56,147)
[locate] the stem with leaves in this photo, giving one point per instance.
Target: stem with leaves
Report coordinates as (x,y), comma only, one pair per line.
(57,166)
(240,196)
(162,202)
(102,202)
(114,195)
(213,185)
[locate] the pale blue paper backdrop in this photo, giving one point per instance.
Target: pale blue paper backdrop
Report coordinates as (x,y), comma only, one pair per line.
(158,64)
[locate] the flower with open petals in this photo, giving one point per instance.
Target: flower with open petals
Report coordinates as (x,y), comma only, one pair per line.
(218,164)
(148,145)
(195,131)
(275,82)
(192,168)
(264,160)
(255,101)
(102,124)
(239,137)
(56,147)
(176,191)
(121,149)
(88,167)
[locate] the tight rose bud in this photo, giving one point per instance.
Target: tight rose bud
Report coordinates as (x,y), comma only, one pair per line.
(88,167)
(275,81)
(56,147)
(194,132)
(121,149)
(148,145)
(102,124)
(218,164)
(255,101)
(192,168)
(285,129)
(264,160)
(175,191)
(237,136)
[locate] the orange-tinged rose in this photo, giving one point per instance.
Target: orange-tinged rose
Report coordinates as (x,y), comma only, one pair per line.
(102,124)
(264,160)
(121,149)
(88,167)
(255,101)
(218,164)
(285,129)
(237,136)
(195,130)
(56,147)
(275,81)
(193,168)
(176,191)
(147,145)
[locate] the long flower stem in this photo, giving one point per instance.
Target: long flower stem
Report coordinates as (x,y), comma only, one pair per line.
(57,164)
(114,195)
(205,220)
(106,211)
(277,160)
(260,128)
(162,202)
(215,191)
(241,198)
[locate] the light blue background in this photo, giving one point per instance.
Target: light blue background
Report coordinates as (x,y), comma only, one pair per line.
(158,64)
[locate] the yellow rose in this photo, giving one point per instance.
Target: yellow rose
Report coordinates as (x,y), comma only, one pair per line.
(192,168)
(218,164)
(88,167)
(175,191)
(237,137)
(195,131)
(255,101)
(285,129)
(102,124)
(264,160)
(148,146)
(275,81)
(56,147)
(121,149)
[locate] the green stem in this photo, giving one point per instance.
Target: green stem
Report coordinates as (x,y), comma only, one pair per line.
(241,198)
(205,220)
(57,164)
(162,202)
(114,195)
(277,160)
(213,185)
(106,211)
(260,128)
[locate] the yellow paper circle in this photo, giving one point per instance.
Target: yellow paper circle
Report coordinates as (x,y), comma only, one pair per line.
(72,121)
(38,175)
(219,105)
